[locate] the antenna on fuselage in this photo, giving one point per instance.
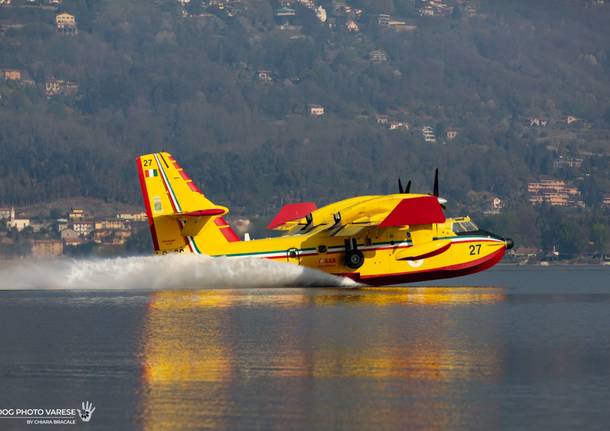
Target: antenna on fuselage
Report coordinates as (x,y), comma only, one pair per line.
(402,189)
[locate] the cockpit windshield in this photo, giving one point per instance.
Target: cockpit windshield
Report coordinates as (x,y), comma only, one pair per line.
(464,226)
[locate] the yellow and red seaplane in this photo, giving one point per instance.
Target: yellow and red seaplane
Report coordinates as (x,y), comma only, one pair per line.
(375,240)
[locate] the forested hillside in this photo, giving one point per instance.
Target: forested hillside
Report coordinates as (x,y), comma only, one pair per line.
(227,87)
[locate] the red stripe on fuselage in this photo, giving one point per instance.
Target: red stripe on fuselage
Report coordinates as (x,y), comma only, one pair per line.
(151,223)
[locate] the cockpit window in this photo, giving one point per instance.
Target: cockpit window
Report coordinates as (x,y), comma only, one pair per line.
(465,226)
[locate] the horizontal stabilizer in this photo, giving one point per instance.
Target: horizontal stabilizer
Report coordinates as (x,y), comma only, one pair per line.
(291,212)
(421,251)
(194,221)
(208,212)
(415,211)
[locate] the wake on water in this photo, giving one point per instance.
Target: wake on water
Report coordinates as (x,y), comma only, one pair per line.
(160,273)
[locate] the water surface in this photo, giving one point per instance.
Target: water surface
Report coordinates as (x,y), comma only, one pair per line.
(512,348)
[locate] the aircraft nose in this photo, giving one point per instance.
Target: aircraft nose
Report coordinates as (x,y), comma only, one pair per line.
(509,243)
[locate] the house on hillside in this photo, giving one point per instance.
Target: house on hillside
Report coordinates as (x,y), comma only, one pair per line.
(70,237)
(382,119)
(428,134)
(494,206)
(11,74)
(83,228)
(398,125)
(538,122)
(315,110)
(264,75)
(132,217)
(66,23)
(16,223)
(285,12)
(554,192)
(76,214)
(383,19)
(452,134)
(58,87)
(352,27)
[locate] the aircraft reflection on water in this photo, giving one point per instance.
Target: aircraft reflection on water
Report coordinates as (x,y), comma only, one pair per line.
(189,339)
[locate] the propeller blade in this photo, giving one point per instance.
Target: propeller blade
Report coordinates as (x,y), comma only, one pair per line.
(400,189)
(436,183)
(408,189)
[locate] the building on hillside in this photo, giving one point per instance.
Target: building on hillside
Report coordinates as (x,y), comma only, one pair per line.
(378,56)
(571,120)
(5,2)
(538,122)
(16,223)
(382,119)
(494,207)
(132,217)
(452,134)
(61,224)
(5,213)
(83,228)
(70,237)
(57,87)
(428,134)
(400,25)
(435,8)
(554,192)
(111,236)
(352,27)
(316,110)
(398,125)
(47,247)
(111,224)
(568,162)
(285,12)
(525,252)
(66,23)
(321,14)
(76,214)
(606,201)
(264,75)
(11,74)
(383,19)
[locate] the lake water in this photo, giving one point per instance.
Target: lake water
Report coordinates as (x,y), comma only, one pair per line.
(511,349)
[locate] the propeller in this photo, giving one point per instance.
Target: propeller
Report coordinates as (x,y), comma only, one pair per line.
(402,189)
(441,201)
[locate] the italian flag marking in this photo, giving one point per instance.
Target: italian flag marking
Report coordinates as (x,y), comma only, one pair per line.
(151,173)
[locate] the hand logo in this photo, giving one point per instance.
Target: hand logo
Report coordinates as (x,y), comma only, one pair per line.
(87,413)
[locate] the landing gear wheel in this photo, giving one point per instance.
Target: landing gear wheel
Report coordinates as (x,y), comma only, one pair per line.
(354,259)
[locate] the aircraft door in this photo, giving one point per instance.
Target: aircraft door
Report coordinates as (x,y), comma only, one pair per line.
(293,256)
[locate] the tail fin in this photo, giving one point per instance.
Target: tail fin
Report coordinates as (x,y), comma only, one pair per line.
(180,217)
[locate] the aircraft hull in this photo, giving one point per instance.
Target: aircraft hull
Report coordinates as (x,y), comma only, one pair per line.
(450,271)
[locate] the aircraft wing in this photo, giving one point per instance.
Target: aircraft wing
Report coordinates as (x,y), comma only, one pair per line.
(408,212)
(290,216)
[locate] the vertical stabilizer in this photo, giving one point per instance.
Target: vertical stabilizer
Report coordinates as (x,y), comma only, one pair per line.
(180,217)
